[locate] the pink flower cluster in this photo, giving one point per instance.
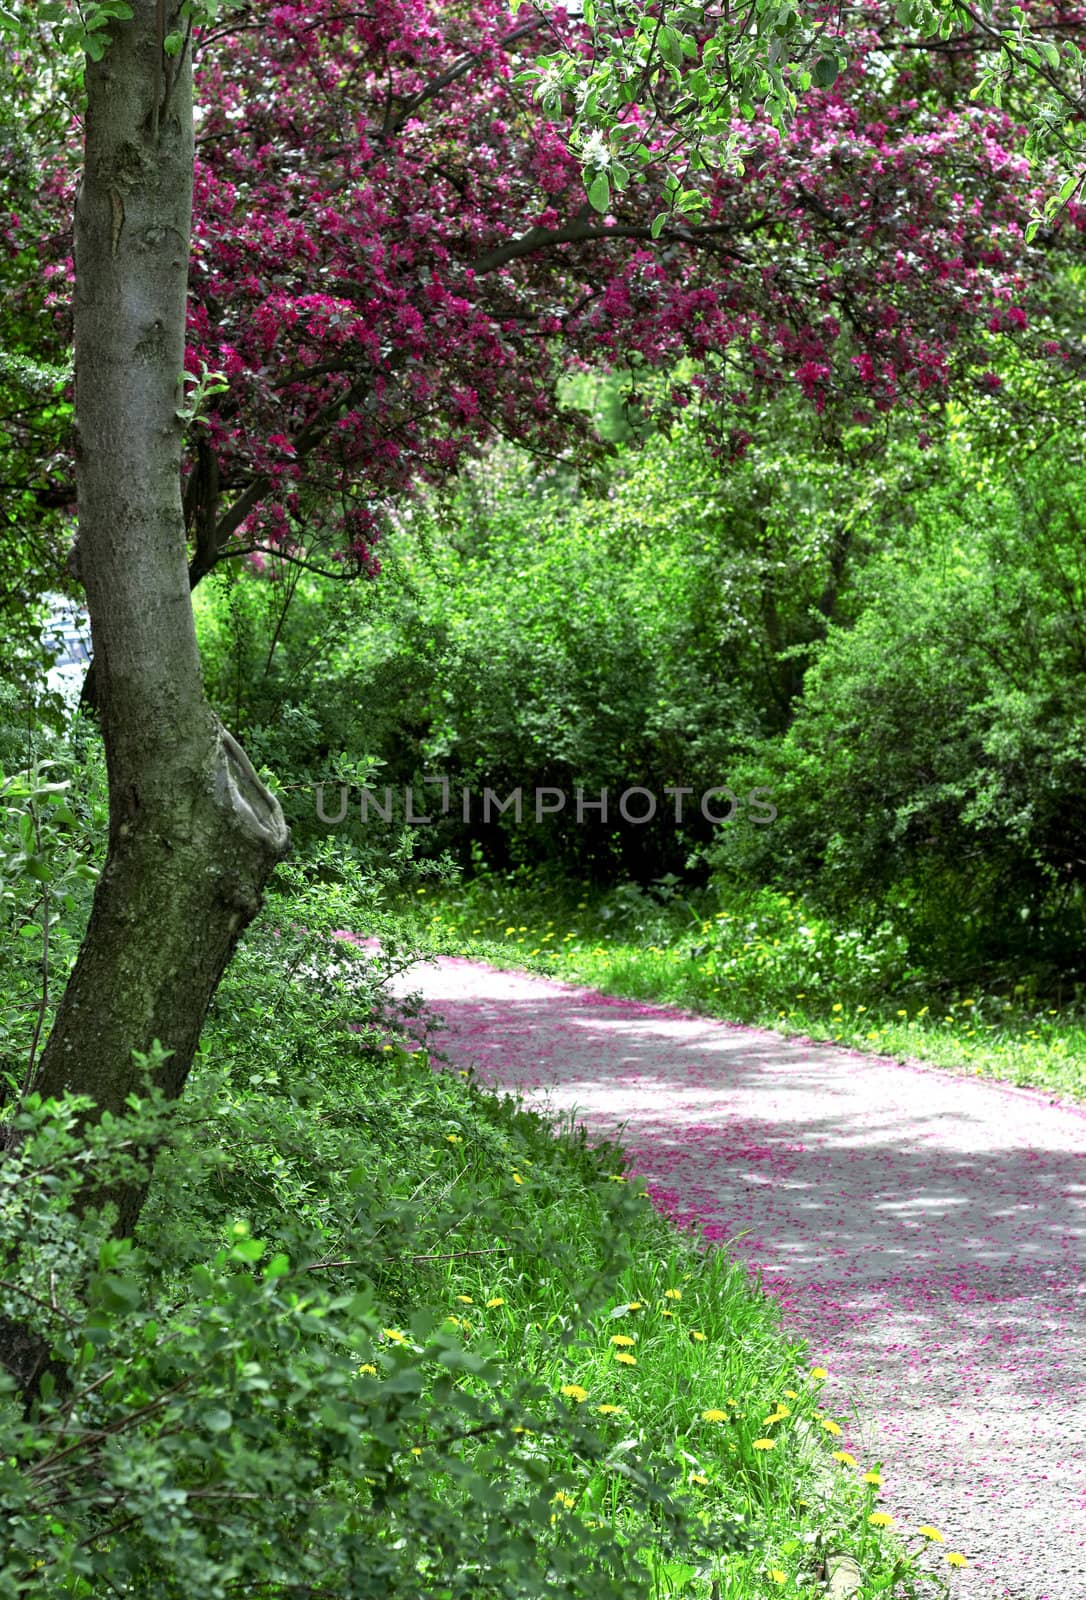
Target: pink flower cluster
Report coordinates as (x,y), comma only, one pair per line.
(392,255)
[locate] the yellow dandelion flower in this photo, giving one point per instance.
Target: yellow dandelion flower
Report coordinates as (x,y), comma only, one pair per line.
(777,1575)
(454,1138)
(844,1458)
(955,1559)
(627,1361)
(517,1178)
(764,1444)
(819,1372)
(790,1394)
(465,1299)
(783,1411)
(698,1477)
(395,1335)
(838,1006)
(873,1477)
(635,1305)
(416,1450)
(608,1411)
(616,1177)
(881,1519)
(830,1426)
(931,1533)
(673,1294)
(574,1391)
(667,1313)
(714,1415)
(495,1300)
(698,1338)
(368,1366)
(562,1499)
(622,1338)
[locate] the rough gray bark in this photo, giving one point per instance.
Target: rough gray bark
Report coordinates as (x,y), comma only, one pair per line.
(193,833)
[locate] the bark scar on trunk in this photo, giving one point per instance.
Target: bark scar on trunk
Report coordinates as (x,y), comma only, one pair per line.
(240,790)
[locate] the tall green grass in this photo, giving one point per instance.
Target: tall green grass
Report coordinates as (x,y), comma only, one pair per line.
(454,1350)
(383,1331)
(762,957)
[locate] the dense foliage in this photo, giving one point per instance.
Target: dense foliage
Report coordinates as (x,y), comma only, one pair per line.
(394,257)
(364,1339)
(890,645)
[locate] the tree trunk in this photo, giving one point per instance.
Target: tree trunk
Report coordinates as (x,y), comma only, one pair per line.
(193,833)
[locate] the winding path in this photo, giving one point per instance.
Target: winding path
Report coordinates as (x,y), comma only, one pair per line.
(926,1233)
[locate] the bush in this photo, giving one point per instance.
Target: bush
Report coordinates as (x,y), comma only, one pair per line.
(52,817)
(531,629)
(265,1387)
(936,768)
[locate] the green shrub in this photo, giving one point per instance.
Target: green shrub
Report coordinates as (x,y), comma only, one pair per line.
(936,767)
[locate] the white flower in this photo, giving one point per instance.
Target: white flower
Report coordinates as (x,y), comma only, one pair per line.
(596,152)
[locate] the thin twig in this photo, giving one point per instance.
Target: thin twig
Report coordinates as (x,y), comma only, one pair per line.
(453,1255)
(17,1288)
(43,1003)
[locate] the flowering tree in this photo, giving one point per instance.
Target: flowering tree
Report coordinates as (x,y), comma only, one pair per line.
(393,256)
(769,53)
(394,253)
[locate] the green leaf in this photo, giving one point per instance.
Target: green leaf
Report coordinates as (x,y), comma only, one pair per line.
(826,70)
(118,1293)
(669,46)
(599,192)
(172,43)
(247,1249)
(217,1420)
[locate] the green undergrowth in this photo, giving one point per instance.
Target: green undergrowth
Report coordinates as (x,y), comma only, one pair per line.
(761,957)
(383,1332)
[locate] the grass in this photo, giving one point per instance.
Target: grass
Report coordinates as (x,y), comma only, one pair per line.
(683,1362)
(666,1372)
(762,958)
(551,1374)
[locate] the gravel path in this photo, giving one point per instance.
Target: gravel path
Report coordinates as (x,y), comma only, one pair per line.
(926,1233)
